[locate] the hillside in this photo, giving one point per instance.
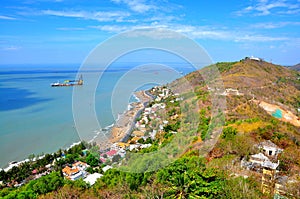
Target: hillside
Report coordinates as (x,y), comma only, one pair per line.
(213,128)
(296,67)
(255,91)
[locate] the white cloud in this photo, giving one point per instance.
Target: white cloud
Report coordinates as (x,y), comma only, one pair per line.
(137,5)
(70,28)
(194,32)
(259,38)
(112,28)
(11,48)
(7,18)
(154,33)
(273,25)
(99,16)
(163,18)
(290,12)
(266,7)
(202,32)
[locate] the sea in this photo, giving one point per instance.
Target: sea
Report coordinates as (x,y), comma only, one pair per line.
(36,118)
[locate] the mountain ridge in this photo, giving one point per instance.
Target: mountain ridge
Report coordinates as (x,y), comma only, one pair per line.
(296,67)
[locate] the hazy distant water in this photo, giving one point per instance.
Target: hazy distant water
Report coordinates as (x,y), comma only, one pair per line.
(36,118)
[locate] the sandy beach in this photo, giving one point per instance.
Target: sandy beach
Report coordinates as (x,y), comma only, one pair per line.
(124,125)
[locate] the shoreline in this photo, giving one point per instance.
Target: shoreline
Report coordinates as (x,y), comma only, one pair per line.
(10,165)
(119,131)
(124,126)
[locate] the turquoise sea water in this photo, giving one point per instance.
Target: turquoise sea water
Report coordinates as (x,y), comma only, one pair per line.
(36,118)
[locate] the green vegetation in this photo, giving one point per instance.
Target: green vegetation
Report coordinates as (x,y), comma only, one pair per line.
(34,188)
(224,66)
(203,124)
(189,178)
(186,174)
(229,133)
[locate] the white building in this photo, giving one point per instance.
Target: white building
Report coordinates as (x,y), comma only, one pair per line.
(104,169)
(92,178)
(255,58)
(76,171)
(269,148)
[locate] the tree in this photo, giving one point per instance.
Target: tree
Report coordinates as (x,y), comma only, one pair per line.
(116,158)
(3,175)
(188,177)
(92,160)
(31,157)
(45,184)
(229,133)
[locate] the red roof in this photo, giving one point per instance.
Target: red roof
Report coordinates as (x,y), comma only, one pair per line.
(102,160)
(111,153)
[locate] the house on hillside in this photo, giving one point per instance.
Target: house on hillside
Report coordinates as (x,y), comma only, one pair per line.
(269,149)
(82,166)
(92,178)
(254,58)
(231,91)
(110,154)
(72,173)
(106,168)
(266,162)
(76,171)
(123,145)
(267,158)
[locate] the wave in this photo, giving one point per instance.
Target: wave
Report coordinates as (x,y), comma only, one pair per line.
(136,98)
(18,163)
(103,131)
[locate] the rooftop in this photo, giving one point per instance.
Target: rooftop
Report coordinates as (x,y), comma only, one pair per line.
(260,156)
(80,164)
(267,143)
(69,171)
(111,153)
(92,178)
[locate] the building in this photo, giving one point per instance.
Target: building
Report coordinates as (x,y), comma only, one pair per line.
(92,178)
(258,158)
(267,163)
(82,166)
(231,91)
(138,133)
(104,169)
(254,58)
(263,161)
(76,171)
(271,152)
(134,147)
(111,153)
(72,173)
(123,145)
(268,156)
(269,149)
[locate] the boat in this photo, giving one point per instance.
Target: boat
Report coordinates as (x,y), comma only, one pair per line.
(78,82)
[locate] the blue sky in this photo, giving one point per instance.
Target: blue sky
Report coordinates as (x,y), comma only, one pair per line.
(65,31)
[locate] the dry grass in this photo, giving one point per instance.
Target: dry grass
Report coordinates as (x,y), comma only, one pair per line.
(249,127)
